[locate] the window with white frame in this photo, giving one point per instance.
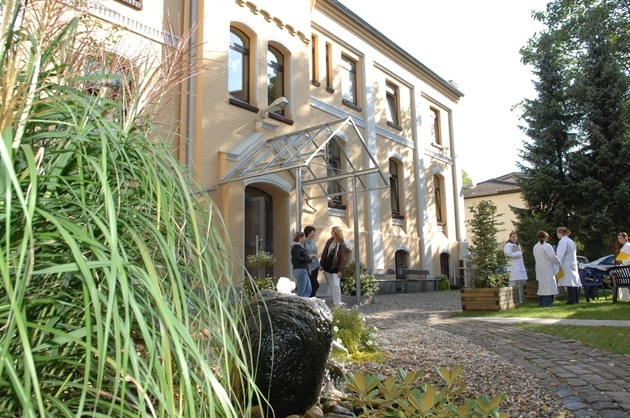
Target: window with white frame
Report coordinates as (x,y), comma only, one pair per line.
(348,79)
(275,76)
(329,80)
(436,137)
(314,61)
(333,160)
(391,93)
(437,193)
(394,188)
(238,65)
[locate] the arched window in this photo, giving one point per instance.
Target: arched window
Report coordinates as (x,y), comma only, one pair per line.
(394,187)
(333,160)
(238,65)
(437,187)
(275,76)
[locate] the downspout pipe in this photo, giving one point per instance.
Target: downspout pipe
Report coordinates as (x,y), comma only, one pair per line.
(190,97)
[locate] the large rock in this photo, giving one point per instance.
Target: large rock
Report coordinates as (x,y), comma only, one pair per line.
(294,336)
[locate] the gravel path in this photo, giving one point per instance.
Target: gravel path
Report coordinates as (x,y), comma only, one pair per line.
(422,348)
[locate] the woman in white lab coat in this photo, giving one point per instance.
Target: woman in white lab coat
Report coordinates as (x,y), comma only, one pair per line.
(546,260)
(515,266)
(570,277)
(622,237)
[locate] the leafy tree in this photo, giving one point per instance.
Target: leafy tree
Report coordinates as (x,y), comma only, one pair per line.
(487,257)
(466,180)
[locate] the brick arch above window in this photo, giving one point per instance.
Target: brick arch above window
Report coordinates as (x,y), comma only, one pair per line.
(401,246)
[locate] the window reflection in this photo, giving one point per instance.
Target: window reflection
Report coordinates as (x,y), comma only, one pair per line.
(238,65)
(275,76)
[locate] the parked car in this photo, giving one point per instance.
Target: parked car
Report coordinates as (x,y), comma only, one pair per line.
(582,261)
(603,263)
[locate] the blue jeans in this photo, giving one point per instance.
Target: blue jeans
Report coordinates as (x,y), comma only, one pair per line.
(303,287)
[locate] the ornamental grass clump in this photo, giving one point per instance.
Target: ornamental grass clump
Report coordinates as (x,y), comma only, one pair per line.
(112,295)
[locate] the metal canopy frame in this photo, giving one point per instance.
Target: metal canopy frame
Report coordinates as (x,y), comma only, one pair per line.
(304,154)
(307,149)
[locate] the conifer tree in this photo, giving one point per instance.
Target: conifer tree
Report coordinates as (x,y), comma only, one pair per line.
(548,121)
(599,166)
(575,158)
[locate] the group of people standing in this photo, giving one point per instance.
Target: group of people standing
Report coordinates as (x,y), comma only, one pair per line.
(306,265)
(557,268)
(554,268)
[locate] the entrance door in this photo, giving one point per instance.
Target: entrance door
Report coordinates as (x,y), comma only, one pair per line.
(258,225)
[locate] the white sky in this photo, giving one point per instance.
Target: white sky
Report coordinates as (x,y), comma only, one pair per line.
(474,43)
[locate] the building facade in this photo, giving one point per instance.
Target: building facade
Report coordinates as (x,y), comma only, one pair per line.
(503,192)
(369,130)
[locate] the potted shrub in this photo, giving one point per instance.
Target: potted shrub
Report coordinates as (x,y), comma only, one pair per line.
(489,276)
(369,285)
(443,283)
(260,261)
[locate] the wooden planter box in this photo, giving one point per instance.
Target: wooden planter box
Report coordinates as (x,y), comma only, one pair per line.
(530,290)
(494,299)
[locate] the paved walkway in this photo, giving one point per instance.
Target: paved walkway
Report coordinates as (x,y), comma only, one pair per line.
(592,382)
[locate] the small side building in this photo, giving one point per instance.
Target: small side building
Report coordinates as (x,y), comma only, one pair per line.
(504,192)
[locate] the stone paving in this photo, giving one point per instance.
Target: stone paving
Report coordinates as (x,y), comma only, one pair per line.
(592,382)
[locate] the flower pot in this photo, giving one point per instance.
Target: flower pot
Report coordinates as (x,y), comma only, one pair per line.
(492,299)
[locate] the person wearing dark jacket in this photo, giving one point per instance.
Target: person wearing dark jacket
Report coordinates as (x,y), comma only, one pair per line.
(333,260)
(313,266)
(300,260)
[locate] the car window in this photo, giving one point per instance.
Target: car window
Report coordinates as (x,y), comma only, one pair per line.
(608,260)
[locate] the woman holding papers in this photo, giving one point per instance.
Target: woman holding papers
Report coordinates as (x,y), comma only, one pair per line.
(568,274)
(624,257)
(515,267)
(546,260)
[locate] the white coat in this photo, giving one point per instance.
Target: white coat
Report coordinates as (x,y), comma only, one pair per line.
(567,253)
(515,265)
(625,249)
(545,269)
(624,293)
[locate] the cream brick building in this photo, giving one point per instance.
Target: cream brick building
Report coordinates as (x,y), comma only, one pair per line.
(503,192)
(325,64)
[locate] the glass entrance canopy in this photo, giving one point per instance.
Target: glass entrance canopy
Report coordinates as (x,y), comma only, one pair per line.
(326,156)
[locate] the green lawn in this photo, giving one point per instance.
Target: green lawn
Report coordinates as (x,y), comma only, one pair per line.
(595,309)
(613,339)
